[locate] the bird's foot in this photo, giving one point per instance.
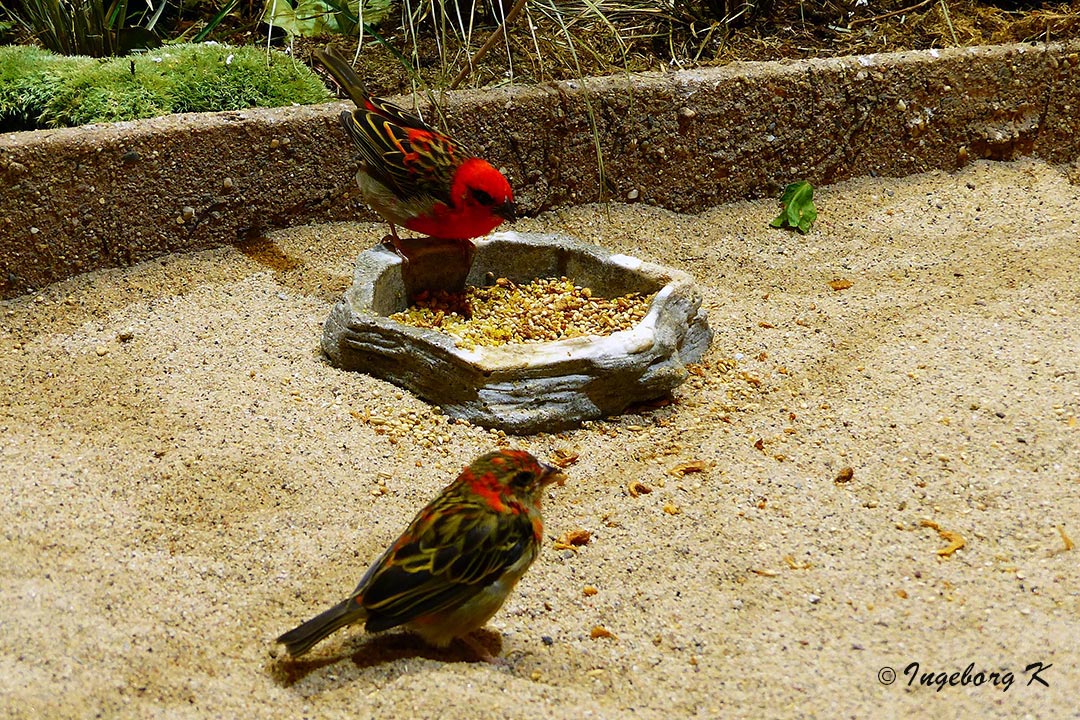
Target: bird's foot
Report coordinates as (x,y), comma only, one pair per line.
(482,652)
(391,242)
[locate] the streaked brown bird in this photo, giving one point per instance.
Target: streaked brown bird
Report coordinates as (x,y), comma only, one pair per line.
(456,563)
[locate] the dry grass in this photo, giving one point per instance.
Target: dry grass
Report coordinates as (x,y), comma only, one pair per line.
(564,39)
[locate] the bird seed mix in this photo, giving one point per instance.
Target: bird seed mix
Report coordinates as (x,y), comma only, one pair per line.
(539,311)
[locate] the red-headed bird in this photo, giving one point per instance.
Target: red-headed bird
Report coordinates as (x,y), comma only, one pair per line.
(456,563)
(412,174)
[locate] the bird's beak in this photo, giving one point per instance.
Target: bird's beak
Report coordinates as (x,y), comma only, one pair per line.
(552,474)
(506,210)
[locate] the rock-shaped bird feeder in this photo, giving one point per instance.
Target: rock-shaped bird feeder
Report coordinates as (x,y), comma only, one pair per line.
(522,387)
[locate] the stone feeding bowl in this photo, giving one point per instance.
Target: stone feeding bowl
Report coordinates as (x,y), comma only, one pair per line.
(522,388)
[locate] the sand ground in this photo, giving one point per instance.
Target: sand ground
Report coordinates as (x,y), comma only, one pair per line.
(184,477)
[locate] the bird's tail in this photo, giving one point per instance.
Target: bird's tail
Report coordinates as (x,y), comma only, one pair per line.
(301,639)
(342,71)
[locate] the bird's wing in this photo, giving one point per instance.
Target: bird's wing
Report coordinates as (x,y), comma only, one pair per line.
(400,150)
(403,153)
(441,561)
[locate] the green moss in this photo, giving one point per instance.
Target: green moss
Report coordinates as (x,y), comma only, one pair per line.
(105,91)
(29,76)
(228,78)
(40,89)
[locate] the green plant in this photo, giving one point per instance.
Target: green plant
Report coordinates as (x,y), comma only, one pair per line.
(216,21)
(29,76)
(799,210)
(322,17)
(40,89)
(7,28)
(87,27)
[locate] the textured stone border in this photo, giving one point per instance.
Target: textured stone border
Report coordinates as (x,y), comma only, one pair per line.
(108,195)
(541,387)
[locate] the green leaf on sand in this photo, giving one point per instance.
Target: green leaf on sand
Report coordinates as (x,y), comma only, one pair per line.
(799,211)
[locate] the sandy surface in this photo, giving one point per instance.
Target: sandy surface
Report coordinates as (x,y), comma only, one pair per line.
(184,477)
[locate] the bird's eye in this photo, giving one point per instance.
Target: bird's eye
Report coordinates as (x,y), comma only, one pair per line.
(482,196)
(522,479)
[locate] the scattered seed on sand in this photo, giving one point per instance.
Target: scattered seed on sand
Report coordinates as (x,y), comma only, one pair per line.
(954,539)
(686,468)
(600,631)
(1065,539)
(564,458)
(539,311)
(573,539)
(426,427)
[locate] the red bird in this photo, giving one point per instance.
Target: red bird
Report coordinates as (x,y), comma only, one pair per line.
(414,175)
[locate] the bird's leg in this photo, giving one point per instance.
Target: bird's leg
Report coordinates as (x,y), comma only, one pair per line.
(467,250)
(393,241)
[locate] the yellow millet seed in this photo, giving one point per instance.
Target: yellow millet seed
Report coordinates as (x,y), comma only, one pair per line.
(539,311)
